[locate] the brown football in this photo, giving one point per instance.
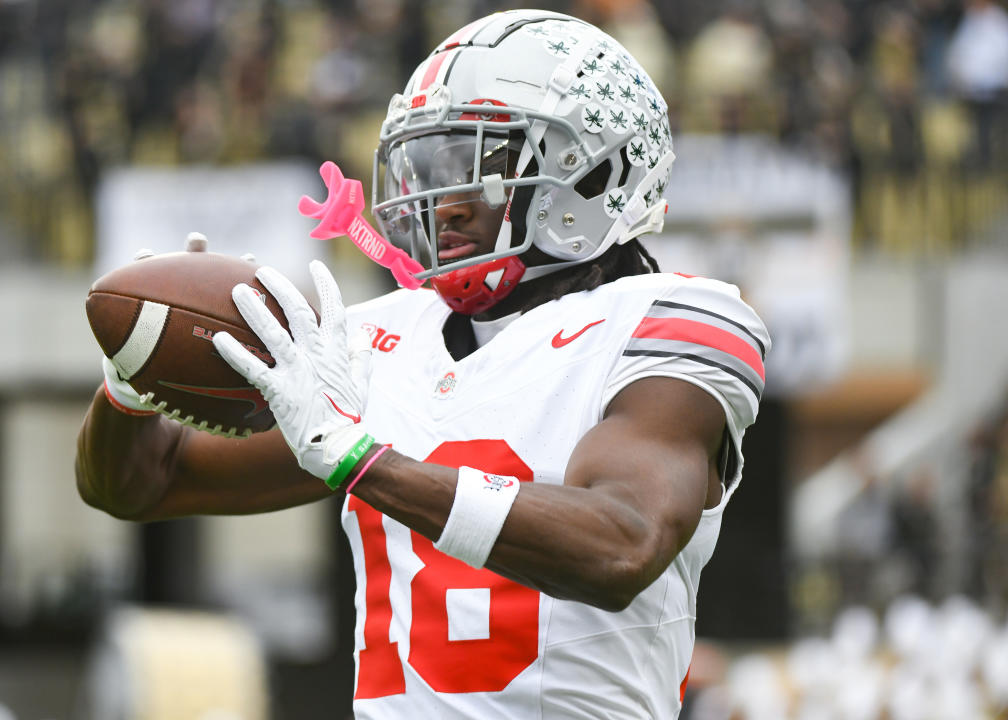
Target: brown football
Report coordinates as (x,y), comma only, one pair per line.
(155,318)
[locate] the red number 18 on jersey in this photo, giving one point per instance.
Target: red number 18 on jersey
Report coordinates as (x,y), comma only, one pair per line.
(450,666)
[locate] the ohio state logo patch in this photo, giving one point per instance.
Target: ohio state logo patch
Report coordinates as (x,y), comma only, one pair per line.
(497,482)
(446,385)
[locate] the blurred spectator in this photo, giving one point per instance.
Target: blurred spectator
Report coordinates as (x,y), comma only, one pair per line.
(887,540)
(988,495)
(816,76)
(728,74)
(937,20)
(178,38)
(886,134)
(978,68)
(915,533)
(865,533)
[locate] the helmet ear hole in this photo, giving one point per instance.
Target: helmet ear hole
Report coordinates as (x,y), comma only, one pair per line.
(625,173)
(594,183)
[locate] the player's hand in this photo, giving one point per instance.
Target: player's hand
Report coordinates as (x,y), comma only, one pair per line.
(318,388)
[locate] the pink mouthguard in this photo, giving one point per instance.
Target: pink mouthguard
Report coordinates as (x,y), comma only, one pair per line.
(340,214)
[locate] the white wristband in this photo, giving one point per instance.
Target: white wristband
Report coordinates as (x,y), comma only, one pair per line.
(482,502)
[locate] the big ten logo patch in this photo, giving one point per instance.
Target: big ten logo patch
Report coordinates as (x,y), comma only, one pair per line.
(381,339)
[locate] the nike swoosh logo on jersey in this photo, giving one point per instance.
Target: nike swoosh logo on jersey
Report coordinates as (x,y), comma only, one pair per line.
(355,418)
(559,340)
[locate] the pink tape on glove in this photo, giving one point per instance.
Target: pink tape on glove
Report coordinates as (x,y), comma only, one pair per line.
(340,214)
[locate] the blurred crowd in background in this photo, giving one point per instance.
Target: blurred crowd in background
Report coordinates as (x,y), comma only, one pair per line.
(907,97)
(917,661)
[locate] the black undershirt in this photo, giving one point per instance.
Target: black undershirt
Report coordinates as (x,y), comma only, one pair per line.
(459,338)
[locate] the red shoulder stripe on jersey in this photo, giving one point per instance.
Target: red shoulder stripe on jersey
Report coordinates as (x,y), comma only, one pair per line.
(693,308)
(682,685)
(701,334)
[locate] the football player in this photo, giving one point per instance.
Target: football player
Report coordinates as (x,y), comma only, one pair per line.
(533,453)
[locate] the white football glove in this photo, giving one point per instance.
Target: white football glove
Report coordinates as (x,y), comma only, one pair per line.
(122,395)
(318,388)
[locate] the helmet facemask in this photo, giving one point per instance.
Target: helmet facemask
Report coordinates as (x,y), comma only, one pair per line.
(469,156)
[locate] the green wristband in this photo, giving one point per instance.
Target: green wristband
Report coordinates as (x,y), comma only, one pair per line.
(346,464)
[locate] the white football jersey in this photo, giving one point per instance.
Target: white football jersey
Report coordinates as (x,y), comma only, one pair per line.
(437,638)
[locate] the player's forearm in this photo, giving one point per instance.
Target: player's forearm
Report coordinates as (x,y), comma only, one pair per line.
(571,543)
(123,462)
(576,544)
(151,468)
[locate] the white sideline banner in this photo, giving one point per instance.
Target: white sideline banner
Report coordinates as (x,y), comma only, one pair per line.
(241,209)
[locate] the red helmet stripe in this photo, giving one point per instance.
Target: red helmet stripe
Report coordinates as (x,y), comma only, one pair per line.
(465,34)
(450,46)
(433,66)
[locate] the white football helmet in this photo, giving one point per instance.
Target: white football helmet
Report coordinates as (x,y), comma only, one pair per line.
(536,110)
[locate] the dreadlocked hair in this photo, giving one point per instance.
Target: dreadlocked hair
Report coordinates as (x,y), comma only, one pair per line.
(619,261)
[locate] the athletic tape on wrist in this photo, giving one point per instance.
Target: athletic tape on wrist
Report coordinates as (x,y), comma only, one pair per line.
(122,407)
(336,443)
(482,503)
(121,395)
